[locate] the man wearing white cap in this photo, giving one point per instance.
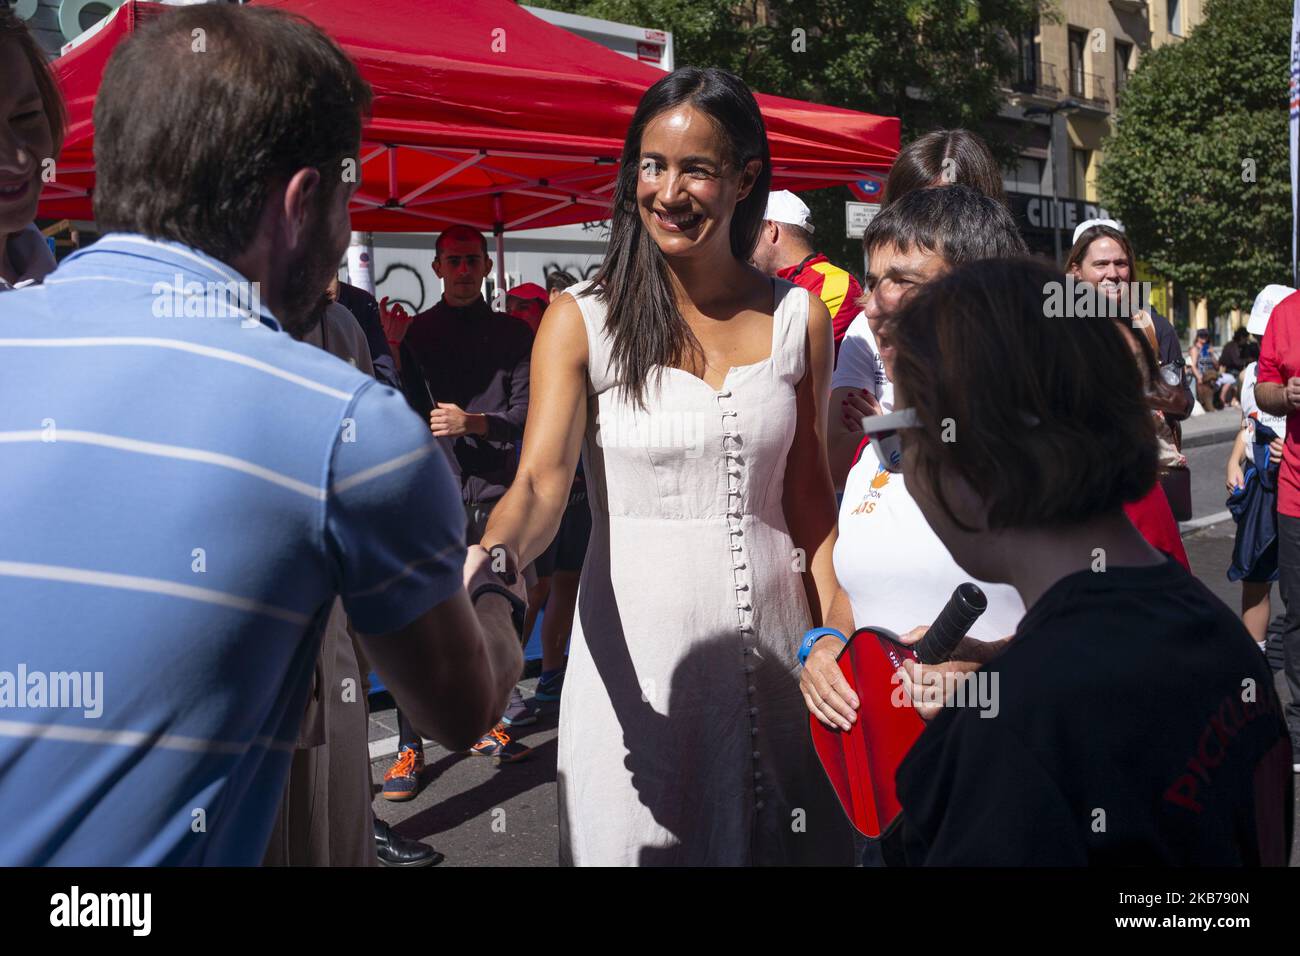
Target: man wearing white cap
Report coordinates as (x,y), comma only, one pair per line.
(1277,391)
(785,250)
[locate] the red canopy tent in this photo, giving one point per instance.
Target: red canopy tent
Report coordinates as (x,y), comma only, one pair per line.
(484,115)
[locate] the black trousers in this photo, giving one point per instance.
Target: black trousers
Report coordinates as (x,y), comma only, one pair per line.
(1288,530)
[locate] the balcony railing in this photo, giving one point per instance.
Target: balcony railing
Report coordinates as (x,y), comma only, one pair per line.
(1089,88)
(1036,78)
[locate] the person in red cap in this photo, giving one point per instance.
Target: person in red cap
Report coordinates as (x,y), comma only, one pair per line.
(785,250)
(527,302)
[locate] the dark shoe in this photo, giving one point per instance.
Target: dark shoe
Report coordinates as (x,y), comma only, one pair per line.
(402,781)
(519,712)
(550,686)
(397,850)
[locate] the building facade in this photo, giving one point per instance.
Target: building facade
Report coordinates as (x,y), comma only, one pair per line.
(1060,107)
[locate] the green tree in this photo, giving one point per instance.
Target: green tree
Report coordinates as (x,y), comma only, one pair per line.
(1197,166)
(932,63)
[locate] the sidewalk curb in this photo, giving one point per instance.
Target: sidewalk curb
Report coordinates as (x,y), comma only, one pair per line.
(1214,437)
(1196,524)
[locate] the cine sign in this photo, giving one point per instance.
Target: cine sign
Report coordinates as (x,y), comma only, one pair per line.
(857,216)
(1044,213)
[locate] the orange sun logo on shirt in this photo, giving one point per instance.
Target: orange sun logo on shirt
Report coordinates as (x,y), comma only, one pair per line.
(871,498)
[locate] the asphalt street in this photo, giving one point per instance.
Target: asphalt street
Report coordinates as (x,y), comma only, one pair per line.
(479,814)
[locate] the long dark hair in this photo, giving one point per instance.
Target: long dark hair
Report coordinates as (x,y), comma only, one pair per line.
(648,330)
(11,28)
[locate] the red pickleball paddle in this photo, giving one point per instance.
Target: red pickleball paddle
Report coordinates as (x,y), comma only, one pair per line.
(861,762)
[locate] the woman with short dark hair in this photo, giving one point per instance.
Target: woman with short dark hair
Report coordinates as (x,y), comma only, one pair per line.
(32,113)
(1137,724)
(696,387)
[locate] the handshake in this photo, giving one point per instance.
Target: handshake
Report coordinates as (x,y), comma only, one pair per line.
(494,574)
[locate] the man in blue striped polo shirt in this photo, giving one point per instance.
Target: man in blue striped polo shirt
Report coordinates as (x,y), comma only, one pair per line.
(184,488)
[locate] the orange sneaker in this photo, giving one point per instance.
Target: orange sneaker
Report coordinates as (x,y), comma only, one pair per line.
(402,781)
(497,744)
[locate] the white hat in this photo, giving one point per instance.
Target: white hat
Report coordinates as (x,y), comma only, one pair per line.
(785,206)
(1265,302)
(1089,223)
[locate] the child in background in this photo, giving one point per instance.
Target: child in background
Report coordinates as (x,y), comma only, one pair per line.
(1253,490)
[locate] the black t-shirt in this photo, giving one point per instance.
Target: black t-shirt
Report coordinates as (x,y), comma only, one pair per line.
(1166,339)
(1136,724)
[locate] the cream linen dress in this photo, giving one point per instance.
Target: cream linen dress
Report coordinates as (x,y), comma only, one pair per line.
(683,736)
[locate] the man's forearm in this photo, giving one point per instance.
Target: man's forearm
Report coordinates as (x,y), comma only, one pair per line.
(1271,397)
(505,653)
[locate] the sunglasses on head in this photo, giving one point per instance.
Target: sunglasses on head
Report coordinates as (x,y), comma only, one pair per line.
(886,442)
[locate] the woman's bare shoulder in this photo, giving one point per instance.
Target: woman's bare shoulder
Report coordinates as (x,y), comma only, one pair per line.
(562,335)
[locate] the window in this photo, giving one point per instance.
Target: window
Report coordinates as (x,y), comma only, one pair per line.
(1080,160)
(1028,48)
(1123,59)
(1078,43)
(1025,177)
(1175,18)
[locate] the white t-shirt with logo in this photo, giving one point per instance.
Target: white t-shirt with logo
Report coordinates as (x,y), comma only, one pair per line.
(859,366)
(893,567)
(1250,410)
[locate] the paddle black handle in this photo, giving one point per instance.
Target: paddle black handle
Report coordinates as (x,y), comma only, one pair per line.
(967,603)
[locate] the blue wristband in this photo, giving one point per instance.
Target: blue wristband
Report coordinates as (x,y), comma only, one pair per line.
(811,638)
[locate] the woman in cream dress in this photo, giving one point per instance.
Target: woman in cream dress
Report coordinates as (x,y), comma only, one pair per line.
(694,387)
